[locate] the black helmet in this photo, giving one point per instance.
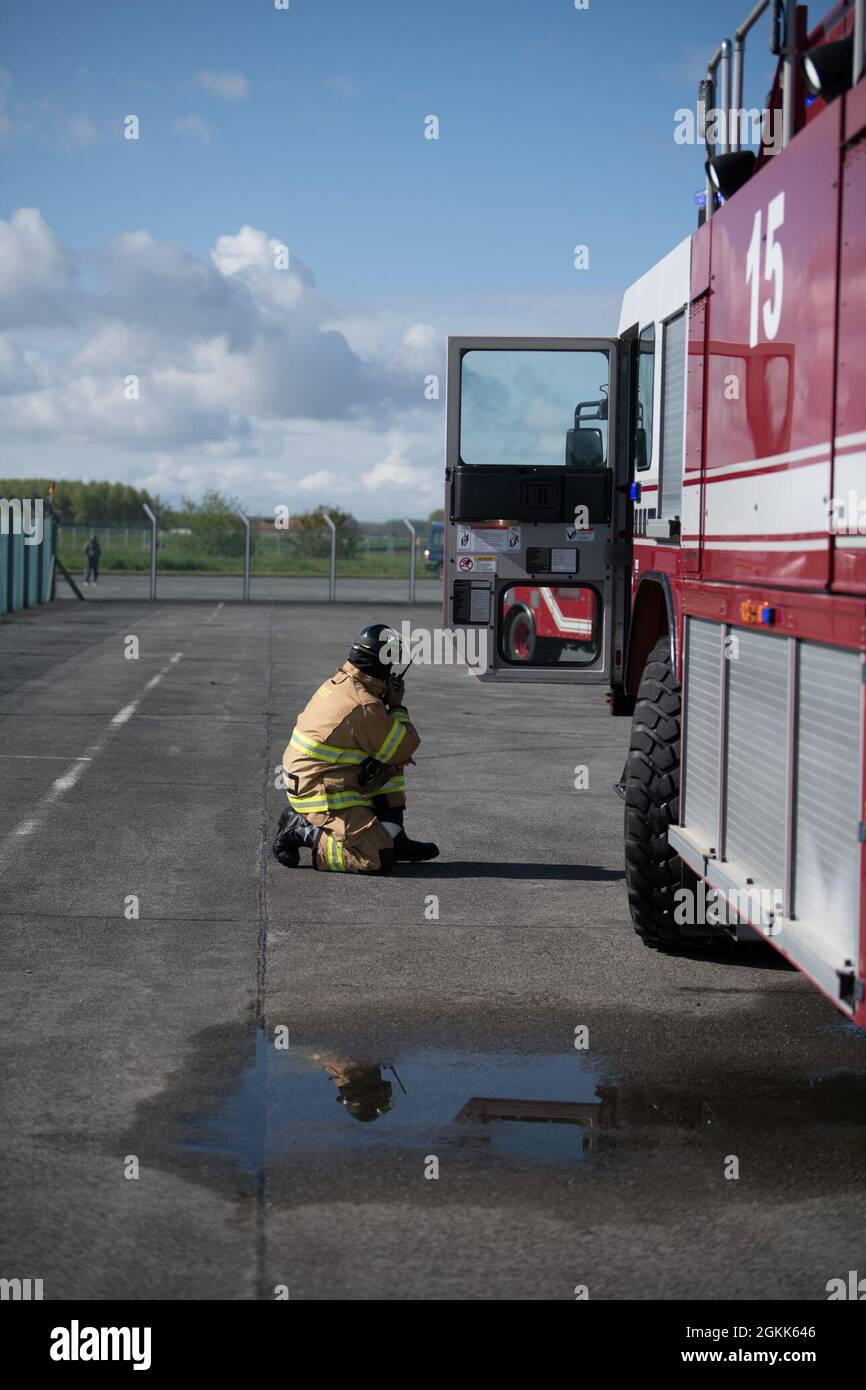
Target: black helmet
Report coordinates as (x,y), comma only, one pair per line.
(366,1095)
(375,649)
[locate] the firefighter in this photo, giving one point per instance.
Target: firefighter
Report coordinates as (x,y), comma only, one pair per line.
(344,768)
(361,1088)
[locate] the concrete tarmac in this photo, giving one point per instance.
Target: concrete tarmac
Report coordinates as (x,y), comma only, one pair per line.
(225,1079)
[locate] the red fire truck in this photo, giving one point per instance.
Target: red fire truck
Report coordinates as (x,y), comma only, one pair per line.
(706,521)
(551,623)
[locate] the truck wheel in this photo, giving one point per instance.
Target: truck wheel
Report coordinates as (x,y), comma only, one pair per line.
(653,872)
(518,637)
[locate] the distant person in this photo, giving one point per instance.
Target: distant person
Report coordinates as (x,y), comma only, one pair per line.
(92,552)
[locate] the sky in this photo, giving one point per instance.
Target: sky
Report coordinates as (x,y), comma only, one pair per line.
(253,294)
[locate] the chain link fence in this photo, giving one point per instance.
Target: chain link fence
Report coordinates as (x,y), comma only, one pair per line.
(238,558)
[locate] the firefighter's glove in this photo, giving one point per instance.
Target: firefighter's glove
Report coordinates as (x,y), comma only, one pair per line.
(394,693)
(368,770)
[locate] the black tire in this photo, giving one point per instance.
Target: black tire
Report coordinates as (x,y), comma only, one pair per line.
(518,634)
(653,872)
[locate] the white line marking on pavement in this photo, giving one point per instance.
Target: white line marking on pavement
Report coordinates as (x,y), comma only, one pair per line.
(126,713)
(44,757)
(129,710)
(78,765)
(214,614)
(61,785)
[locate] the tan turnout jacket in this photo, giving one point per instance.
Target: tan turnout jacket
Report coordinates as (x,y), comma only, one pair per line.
(344,723)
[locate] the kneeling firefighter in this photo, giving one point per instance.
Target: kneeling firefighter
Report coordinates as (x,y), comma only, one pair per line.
(344,767)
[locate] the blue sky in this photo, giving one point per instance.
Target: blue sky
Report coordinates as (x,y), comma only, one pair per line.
(306,127)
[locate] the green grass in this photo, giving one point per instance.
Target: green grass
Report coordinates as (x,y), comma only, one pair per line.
(182,556)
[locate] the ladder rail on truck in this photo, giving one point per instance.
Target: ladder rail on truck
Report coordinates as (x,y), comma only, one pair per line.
(705,525)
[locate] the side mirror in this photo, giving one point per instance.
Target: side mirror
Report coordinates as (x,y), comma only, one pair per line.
(584,448)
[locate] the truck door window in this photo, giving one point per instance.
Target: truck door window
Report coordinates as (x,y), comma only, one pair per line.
(528,408)
(549,625)
(643,448)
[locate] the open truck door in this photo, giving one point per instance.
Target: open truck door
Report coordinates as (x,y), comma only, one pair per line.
(537,546)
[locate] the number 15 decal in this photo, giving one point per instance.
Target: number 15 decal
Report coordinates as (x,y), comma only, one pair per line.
(774,270)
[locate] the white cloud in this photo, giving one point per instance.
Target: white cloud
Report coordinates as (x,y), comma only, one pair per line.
(36,273)
(225,354)
(231,86)
(421,337)
(249,380)
(315,482)
(196,125)
(19,370)
(399,474)
(254,251)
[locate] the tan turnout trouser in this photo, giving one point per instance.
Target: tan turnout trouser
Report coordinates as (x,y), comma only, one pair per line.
(354,837)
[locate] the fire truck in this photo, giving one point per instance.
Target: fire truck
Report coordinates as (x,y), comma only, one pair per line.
(547,621)
(688,488)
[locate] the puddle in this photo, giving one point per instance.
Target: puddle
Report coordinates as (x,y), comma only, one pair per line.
(541,1108)
(306,1106)
(319,1119)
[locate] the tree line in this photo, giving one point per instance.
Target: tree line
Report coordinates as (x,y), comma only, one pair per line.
(102,504)
(213,520)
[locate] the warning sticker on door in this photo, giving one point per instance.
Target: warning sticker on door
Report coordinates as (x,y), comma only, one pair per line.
(479,608)
(487,539)
(477,564)
(574,533)
(472,601)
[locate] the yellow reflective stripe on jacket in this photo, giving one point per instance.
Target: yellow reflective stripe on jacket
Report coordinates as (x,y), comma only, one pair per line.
(328,801)
(393,784)
(392,740)
(325,752)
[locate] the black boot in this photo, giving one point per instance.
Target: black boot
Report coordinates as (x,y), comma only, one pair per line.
(406,851)
(293,833)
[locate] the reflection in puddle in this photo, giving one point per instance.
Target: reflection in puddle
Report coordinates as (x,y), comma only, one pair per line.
(361,1088)
(543,1108)
(544,1129)
(301,1104)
